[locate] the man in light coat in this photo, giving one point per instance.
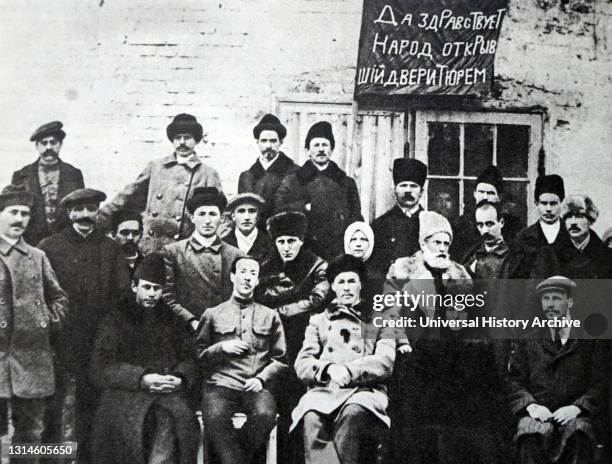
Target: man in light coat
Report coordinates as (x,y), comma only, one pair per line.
(162,190)
(32,306)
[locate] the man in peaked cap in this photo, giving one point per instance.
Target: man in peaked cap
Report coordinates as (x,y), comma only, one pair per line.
(323,192)
(33,306)
(265,175)
(246,235)
(164,181)
(50,179)
(92,269)
(396,231)
(144,364)
(489,186)
(198,267)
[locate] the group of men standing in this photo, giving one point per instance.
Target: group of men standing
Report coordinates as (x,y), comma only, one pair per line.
(115,342)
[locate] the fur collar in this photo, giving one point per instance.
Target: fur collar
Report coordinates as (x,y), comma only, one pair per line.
(279,167)
(413,267)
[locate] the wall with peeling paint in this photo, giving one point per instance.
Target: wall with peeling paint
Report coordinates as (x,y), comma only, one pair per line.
(115,72)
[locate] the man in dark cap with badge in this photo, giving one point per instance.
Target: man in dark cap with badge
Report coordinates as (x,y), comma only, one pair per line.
(33,307)
(50,179)
(396,232)
(558,384)
(198,267)
(161,191)
(323,192)
(246,235)
(127,232)
(92,269)
(265,175)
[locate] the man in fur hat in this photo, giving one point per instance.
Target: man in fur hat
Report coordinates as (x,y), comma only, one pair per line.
(197,268)
(164,181)
(127,232)
(266,174)
(396,231)
(32,307)
(323,192)
(145,366)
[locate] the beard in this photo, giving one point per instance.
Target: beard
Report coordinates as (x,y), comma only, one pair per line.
(435,260)
(129,248)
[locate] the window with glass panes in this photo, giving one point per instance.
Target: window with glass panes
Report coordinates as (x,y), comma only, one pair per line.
(458,146)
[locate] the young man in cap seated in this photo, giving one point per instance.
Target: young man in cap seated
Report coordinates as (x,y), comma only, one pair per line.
(91,268)
(198,267)
(241,346)
(127,232)
(272,166)
(246,235)
(165,185)
(33,306)
(49,179)
(146,368)
(345,361)
(558,384)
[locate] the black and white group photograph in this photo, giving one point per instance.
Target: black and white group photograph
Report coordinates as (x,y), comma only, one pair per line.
(306,232)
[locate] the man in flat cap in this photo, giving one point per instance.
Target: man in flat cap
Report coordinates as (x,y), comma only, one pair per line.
(32,307)
(127,232)
(586,256)
(558,384)
(246,235)
(144,363)
(489,186)
(91,268)
(161,191)
(50,179)
(396,232)
(198,267)
(323,192)
(265,175)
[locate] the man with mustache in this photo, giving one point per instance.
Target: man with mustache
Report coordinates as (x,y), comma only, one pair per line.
(33,307)
(92,269)
(162,190)
(246,235)
(586,256)
(323,192)
(241,346)
(558,385)
(266,174)
(198,267)
(396,232)
(127,232)
(49,179)
(549,230)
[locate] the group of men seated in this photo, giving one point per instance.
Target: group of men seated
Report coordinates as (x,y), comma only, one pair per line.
(125,320)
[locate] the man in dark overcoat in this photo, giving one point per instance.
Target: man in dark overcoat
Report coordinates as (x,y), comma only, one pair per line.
(145,366)
(50,179)
(266,174)
(91,268)
(323,192)
(558,384)
(396,232)
(32,307)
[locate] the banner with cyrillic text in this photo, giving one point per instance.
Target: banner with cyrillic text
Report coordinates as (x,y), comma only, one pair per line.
(433,47)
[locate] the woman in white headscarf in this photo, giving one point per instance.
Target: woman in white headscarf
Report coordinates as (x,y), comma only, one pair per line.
(359,240)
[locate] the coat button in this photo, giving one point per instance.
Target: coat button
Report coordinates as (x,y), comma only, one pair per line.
(159,196)
(178,218)
(154,213)
(43,324)
(186,184)
(176,236)
(356,349)
(330,349)
(37,302)
(150,233)
(2,301)
(392,239)
(314,368)
(329,328)
(3,325)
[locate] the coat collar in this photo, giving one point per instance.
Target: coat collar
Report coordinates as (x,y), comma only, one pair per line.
(279,167)
(170,160)
(21,246)
(309,171)
(500,250)
(96,236)
(197,246)
(336,311)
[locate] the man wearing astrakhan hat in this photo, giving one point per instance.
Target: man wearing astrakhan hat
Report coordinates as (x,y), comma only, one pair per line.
(396,232)
(50,179)
(246,235)
(32,307)
(198,267)
(92,269)
(558,384)
(161,191)
(323,192)
(265,175)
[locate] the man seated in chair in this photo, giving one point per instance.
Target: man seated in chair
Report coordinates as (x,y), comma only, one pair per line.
(345,368)
(558,385)
(146,370)
(241,345)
